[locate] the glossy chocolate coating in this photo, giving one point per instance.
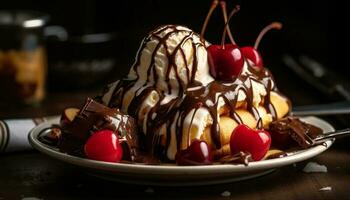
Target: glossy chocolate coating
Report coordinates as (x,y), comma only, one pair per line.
(92,117)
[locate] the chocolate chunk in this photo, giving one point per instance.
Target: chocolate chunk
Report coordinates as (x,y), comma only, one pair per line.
(50,136)
(92,117)
(238,158)
(300,132)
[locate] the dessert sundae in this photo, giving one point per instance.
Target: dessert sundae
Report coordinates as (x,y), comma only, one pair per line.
(189,102)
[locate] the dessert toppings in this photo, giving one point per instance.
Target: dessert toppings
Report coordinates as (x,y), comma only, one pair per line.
(104,145)
(256,142)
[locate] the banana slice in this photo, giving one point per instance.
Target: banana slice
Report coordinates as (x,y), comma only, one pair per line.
(280,103)
(227,124)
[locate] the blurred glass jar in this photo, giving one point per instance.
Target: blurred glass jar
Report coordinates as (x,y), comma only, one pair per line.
(86,61)
(23,62)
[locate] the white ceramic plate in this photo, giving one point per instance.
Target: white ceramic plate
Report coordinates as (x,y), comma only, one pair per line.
(180,175)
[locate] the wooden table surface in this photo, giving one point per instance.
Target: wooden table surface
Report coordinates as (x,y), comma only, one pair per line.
(32,174)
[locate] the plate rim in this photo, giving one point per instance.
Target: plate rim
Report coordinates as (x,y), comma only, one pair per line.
(175,169)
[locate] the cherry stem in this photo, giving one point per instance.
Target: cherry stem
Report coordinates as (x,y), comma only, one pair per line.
(273,25)
(224,12)
(223,38)
(210,12)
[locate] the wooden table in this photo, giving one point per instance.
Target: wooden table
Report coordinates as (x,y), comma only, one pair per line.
(32,174)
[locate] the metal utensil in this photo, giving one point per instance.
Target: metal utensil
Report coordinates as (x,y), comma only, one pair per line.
(331,135)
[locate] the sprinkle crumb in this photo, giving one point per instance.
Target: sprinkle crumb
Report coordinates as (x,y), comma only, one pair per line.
(326,189)
(226,194)
(314,167)
(149,190)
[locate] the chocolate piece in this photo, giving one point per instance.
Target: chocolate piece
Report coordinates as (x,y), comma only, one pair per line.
(299,131)
(92,117)
(50,136)
(238,158)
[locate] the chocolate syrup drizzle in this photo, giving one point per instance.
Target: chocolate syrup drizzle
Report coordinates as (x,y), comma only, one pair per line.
(193,95)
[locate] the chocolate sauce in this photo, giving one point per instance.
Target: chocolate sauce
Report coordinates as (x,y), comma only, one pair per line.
(191,96)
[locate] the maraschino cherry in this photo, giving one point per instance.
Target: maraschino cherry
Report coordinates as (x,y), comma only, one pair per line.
(251,53)
(104,145)
(256,142)
(225,60)
(198,153)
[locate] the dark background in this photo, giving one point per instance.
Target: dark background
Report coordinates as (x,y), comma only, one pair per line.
(313,28)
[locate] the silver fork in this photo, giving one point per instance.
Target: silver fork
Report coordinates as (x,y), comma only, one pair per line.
(331,135)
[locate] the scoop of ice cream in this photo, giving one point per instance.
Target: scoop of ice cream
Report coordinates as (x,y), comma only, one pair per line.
(169,58)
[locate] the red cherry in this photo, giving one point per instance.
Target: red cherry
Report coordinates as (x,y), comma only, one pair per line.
(198,153)
(225,62)
(104,145)
(251,53)
(256,142)
(253,56)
